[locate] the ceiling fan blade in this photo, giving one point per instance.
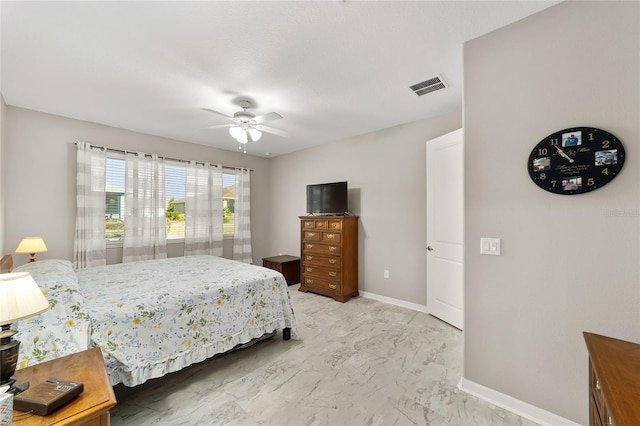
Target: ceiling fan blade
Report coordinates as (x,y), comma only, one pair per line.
(217,113)
(267,117)
(219,126)
(273,131)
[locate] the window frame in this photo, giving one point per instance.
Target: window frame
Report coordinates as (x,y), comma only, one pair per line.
(113,243)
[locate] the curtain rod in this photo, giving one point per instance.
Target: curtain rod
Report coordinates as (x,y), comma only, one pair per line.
(122,151)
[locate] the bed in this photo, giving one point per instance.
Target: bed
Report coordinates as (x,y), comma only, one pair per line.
(154,317)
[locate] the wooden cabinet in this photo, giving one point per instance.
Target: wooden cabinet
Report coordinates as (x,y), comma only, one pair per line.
(329,256)
(614,374)
(289,266)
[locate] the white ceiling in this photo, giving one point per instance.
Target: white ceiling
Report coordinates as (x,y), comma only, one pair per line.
(332,69)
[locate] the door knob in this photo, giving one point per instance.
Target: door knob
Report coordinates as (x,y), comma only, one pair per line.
(430,248)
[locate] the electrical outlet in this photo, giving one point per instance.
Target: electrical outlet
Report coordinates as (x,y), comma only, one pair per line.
(386,273)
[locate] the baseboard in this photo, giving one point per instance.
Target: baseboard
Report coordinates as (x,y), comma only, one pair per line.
(392,301)
(514,405)
(523,409)
(507,402)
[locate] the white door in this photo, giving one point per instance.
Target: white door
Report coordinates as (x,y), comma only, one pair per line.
(445,213)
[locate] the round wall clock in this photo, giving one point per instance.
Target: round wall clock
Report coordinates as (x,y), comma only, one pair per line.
(576,160)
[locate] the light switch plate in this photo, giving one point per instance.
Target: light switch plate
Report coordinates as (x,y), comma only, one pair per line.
(490,246)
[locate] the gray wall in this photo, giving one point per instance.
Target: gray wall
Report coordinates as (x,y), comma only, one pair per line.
(385,170)
(39,171)
(386,174)
(569,263)
(3,109)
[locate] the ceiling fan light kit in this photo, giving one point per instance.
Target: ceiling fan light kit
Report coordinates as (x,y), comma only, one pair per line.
(255,134)
(247,126)
(242,133)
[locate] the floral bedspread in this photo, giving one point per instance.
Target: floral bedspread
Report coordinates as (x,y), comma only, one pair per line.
(155,317)
(63,329)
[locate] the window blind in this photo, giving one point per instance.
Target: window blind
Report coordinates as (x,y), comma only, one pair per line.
(175,181)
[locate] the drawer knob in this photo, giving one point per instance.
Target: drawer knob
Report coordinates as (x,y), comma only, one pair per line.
(309,281)
(332,274)
(309,246)
(309,257)
(332,286)
(309,269)
(332,261)
(331,236)
(311,234)
(598,384)
(332,248)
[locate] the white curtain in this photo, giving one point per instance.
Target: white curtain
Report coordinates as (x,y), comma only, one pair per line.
(144,206)
(89,248)
(203,208)
(242,232)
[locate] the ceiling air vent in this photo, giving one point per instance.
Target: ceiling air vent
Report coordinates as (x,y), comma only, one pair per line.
(428,86)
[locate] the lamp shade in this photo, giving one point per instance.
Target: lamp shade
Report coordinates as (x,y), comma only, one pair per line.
(31,245)
(236,132)
(255,134)
(20,297)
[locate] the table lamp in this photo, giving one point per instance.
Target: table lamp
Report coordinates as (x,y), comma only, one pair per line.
(20,298)
(31,245)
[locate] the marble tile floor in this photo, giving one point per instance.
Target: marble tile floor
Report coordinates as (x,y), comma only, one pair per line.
(363,362)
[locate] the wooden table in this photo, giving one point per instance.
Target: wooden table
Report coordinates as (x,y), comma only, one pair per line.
(90,408)
(289,266)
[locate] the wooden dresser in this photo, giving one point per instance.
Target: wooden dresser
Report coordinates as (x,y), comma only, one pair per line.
(614,381)
(329,256)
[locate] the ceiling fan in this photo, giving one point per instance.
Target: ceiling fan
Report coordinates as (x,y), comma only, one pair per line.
(247,127)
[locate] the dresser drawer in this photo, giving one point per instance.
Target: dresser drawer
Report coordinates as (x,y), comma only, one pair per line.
(320,224)
(331,237)
(324,273)
(334,225)
(312,235)
(594,416)
(321,248)
(326,261)
(598,399)
(320,284)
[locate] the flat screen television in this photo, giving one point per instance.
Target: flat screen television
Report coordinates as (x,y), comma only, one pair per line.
(327,198)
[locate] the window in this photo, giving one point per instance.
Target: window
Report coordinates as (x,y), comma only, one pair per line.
(175,182)
(175,206)
(228,203)
(114,210)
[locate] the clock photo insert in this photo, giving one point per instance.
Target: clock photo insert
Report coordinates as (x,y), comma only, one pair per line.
(576,160)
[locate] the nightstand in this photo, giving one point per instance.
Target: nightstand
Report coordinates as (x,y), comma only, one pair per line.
(289,266)
(90,408)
